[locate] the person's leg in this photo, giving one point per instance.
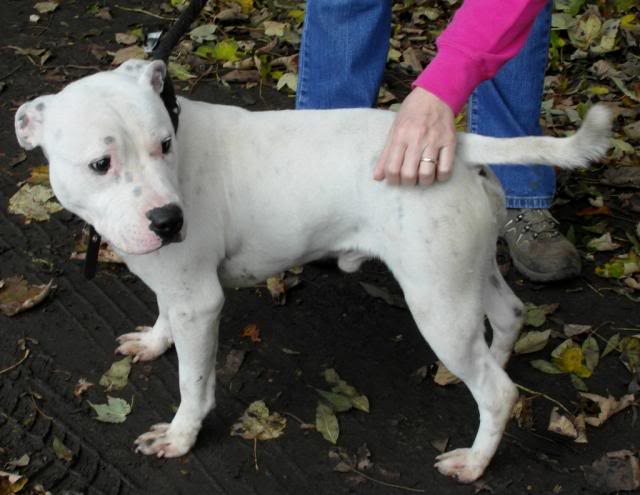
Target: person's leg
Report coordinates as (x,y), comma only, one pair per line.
(343,53)
(506,106)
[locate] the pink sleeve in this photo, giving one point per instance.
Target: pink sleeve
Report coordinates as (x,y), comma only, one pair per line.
(483,35)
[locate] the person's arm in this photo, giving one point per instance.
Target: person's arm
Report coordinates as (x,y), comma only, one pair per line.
(483,35)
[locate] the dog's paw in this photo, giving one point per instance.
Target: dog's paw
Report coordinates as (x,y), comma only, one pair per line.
(464,465)
(161,441)
(143,344)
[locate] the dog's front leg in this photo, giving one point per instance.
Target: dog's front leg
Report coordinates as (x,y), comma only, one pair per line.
(194,324)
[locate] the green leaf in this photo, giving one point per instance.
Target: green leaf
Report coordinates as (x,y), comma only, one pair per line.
(61,450)
(327,423)
(331,376)
(203,33)
(591,352)
(180,72)
(114,411)
(225,51)
(532,342)
(537,315)
(338,402)
(545,367)
(117,376)
(361,402)
(612,344)
(578,383)
(620,266)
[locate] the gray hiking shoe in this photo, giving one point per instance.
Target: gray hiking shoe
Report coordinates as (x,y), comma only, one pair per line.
(538,249)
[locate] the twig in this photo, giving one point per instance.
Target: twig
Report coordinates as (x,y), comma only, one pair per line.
(255,452)
(35,405)
(545,396)
(26,355)
(626,329)
(593,288)
(295,417)
(384,483)
(146,12)
(12,72)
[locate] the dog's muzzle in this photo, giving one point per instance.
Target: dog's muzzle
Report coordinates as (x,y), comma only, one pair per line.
(166,222)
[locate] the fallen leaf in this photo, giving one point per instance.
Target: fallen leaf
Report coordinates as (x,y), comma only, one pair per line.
(274,28)
(588,212)
(81,387)
(327,423)
(608,407)
(179,72)
(630,352)
(114,411)
(444,377)
(545,367)
(383,293)
(17,295)
(532,342)
(232,364)
(288,80)
(603,243)
(34,202)
(204,32)
(572,329)
(46,7)
(522,412)
(128,53)
(241,76)
(252,331)
(620,266)
(440,444)
(591,352)
(61,450)
(117,377)
(560,424)
(358,400)
(257,424)
(11,483)
(20,462)
(126,38)
(612,344)
(337,402)
(537,315)
(614,472)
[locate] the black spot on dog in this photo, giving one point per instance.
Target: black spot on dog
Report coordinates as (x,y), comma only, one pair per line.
(23,120)
(40,107)
(109,140)
(482,172)
(517,311)
(137,191)
(494,281)
(128,177)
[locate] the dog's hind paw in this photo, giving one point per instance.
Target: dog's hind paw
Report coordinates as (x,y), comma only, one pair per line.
(143,344)
(162,442)
(465,465)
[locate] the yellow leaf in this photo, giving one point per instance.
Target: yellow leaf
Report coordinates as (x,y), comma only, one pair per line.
(571,360)
(245,5)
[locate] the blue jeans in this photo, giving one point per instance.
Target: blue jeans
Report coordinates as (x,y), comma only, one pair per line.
(342,59)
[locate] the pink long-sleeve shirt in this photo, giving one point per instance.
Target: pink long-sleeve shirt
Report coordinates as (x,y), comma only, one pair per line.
(483,35)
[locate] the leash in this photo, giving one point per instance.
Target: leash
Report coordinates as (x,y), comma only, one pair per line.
(168,95)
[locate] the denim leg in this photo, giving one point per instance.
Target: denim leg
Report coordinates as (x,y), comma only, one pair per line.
(509,105)
(343,53)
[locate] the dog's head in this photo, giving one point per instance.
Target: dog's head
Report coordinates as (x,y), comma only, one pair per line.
(112,154)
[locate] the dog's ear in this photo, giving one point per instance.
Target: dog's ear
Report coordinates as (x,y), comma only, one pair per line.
(29,122)
(153,75)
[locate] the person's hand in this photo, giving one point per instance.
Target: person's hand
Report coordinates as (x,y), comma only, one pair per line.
(421,144)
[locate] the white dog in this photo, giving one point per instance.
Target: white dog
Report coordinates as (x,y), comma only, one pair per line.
(251,194)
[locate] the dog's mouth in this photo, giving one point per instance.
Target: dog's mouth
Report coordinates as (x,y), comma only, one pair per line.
(178,237)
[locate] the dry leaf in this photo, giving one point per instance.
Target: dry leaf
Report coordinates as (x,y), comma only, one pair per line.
(117,376)
(34,202)
(572,329)
(562,425)
(444,377)
(252,331)
(257,424)
(126,38)
(532,342)
(17,295)
(614,472)
(46,7)
(231,366)
(81,387)
(608,407)
(128,53)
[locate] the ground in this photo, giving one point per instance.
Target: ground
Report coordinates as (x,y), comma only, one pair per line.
(328,319)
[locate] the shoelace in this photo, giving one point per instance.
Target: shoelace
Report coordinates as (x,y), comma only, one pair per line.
(539,223)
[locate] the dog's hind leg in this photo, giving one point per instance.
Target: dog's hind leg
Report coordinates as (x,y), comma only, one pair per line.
(449,313)
(147,343)
(506,315)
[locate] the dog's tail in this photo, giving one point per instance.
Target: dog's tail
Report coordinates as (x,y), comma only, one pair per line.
(589,143)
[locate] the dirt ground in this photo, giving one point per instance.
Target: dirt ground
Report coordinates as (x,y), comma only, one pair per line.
(328,319)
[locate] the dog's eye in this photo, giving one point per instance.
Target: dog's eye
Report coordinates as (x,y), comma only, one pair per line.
(166,146)
(101,165)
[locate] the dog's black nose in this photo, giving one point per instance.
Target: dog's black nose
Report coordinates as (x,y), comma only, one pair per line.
(166,221)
